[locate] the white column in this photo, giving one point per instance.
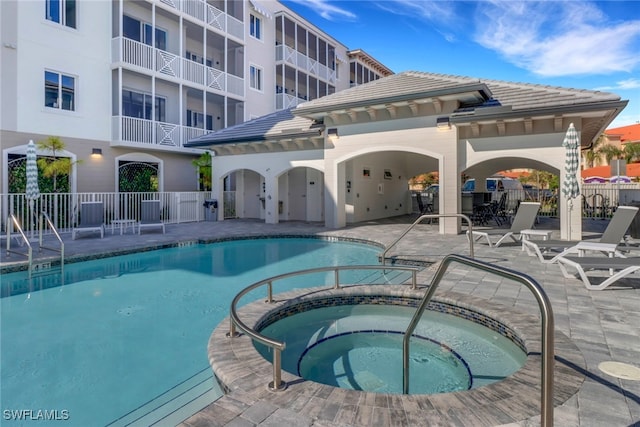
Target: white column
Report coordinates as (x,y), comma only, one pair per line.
(271,199)
(334,197)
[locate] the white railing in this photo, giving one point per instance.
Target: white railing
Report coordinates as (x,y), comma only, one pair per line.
(62,208)
(141,131)
(235,85)
(284,101)
(202,11)
(215,18)
(171,65)
(235,27)
(193,71)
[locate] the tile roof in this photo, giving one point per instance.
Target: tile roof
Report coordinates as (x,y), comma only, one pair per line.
(629,133)
(271,126)
(407,86)
(520,96)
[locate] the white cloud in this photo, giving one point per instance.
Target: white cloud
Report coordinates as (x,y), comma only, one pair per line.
(558,38)
(626,84)
(326,9)
(436,11)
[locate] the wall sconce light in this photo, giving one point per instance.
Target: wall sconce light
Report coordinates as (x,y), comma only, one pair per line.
(332,134)
(442,123)
(96,152)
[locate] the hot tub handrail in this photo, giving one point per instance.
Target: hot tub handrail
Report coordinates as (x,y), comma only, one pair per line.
(546,397)
(432,216)
(278,346)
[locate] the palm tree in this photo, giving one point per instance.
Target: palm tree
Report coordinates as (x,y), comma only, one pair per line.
(632,152)
(203,166)
(610,152)
(53,166)
(591,155)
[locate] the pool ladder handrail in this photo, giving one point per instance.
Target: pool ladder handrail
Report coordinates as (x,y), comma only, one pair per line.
(12,220)
(44,217)
(278,346)
(546,397)
(432,216)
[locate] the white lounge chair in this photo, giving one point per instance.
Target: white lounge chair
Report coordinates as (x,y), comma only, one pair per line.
(91,219)
(623,266)
(150,215)
(524,219)
(608,243)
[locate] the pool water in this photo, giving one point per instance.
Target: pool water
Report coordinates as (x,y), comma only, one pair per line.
(123,342)
(359,347)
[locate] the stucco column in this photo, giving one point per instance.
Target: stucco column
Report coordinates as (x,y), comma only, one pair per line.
(217,192)
(334,197)
(449,193)
(570,212)
(271,215)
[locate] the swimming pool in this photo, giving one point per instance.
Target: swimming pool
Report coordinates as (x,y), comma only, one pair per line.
(123,342)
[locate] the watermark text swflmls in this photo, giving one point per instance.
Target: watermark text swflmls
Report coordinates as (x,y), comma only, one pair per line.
(35,414)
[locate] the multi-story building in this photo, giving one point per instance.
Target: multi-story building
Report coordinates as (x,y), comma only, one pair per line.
(125,84)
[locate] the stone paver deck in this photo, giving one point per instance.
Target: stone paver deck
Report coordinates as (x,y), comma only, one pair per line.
(602,325)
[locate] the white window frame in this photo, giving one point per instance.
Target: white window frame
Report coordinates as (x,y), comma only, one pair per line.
(255,26)
(58,102)
(256,77)
(62,12)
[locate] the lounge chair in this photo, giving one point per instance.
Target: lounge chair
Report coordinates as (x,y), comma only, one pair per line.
(91,219)
(608,243)
(524,219)
(624,267)
(150,215)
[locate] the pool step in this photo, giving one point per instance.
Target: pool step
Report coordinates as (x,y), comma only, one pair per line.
(175,405)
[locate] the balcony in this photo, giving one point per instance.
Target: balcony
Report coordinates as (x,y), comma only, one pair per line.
(207,14)
(173,67)
(134,132)
(304,63)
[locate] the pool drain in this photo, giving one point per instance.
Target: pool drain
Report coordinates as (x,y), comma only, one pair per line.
(620,370)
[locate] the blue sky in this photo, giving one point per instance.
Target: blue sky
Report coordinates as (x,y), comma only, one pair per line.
(574,44)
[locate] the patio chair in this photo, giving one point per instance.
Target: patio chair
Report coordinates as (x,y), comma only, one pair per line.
(609,243)
(150,215)
(623,266)
(424,209)
(524,219)
(91,219)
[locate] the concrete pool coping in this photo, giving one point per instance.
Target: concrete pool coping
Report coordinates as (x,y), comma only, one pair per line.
(243,372)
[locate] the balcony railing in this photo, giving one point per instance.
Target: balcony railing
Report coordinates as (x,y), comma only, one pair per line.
(172,66)
(63,208)
(209,15)
(163,135)
(303,62)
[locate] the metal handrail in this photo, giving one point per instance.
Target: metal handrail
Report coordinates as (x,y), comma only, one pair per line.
(45,217)
(430,216)
(12,219)
(277,384)
(546,397)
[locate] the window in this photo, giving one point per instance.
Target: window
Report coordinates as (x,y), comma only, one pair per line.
(61,11)
(59,91)
(255,75)
(199,59)
(143,32)
(255,27)
(196,120)
(138,104)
